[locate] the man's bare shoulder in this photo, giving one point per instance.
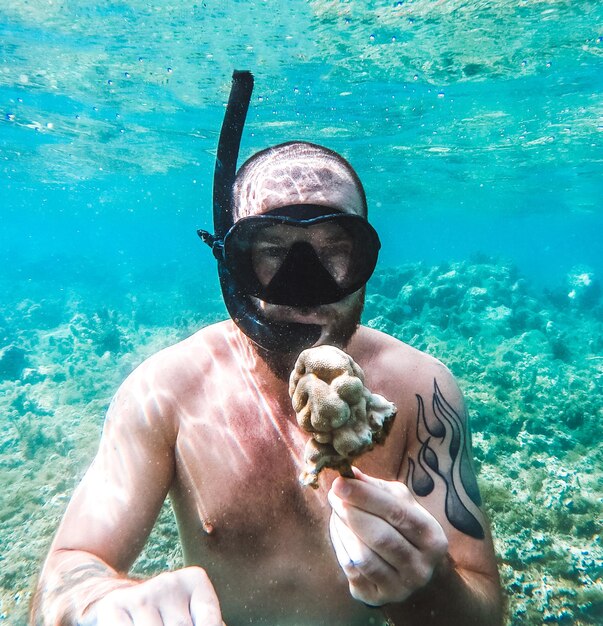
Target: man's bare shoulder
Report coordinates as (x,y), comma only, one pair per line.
(181,365)
(198,350)
(155,392)
(396,357)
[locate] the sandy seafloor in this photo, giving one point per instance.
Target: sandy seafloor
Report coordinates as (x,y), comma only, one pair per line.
(530,363)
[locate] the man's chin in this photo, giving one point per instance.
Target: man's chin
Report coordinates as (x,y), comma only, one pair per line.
(338,323)
(283,314)
(281,362)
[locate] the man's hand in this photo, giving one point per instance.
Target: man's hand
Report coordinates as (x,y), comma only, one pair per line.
(185,597)
(387,544)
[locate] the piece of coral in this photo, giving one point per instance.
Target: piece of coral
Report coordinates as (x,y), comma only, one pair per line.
(331,402)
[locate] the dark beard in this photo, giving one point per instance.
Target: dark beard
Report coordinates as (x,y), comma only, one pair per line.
(281,362)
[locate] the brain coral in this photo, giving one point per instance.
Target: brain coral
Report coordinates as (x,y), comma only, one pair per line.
(331,402)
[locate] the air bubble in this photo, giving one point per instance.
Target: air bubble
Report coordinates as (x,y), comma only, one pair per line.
(127,74)
(372,38)
(169,70)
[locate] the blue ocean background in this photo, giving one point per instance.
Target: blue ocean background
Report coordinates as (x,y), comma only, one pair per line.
(477,129)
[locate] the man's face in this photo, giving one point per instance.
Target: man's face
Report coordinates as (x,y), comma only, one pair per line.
(338,320)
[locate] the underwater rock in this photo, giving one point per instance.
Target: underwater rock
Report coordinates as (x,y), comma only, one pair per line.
(583,288)
(331,402)
(105,330)
(12,362)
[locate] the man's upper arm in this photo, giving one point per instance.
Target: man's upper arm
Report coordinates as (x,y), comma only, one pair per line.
(438,468)
(114,507)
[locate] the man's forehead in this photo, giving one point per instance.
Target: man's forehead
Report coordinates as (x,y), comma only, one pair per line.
(296,181)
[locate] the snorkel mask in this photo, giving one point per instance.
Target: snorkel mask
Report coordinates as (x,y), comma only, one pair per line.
(299,255)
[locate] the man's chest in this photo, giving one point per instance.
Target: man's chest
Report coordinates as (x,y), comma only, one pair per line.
(261,536)
(264,542)
(245,518)
(239,453)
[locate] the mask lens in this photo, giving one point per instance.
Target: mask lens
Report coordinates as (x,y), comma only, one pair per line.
(330,243)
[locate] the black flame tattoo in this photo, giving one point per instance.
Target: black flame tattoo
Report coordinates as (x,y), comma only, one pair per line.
(444,452)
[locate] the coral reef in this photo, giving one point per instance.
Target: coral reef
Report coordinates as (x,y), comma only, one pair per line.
(529,362)
(331,402)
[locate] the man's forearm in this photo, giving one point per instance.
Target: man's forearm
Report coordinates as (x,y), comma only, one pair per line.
(451,599)
(70,582)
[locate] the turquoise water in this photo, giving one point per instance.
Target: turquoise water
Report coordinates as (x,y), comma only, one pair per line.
(476,127)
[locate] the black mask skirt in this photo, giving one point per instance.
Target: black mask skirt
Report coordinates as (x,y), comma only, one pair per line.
(297,256)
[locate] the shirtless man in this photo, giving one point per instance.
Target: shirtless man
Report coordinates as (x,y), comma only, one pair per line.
(210,422)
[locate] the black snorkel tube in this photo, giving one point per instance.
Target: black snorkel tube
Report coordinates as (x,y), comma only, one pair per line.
(269,335)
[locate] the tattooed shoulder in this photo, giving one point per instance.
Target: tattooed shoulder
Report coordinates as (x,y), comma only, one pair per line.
(444,454)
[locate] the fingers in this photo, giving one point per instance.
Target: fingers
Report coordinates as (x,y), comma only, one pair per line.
(361,588)
(393,502)
(148,615)
(185,597)
(173,615)
(107,615)
(374,535)
(349,549)
(387,544)
(204,605)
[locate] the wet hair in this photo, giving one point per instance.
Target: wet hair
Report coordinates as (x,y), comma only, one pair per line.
(291,168)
